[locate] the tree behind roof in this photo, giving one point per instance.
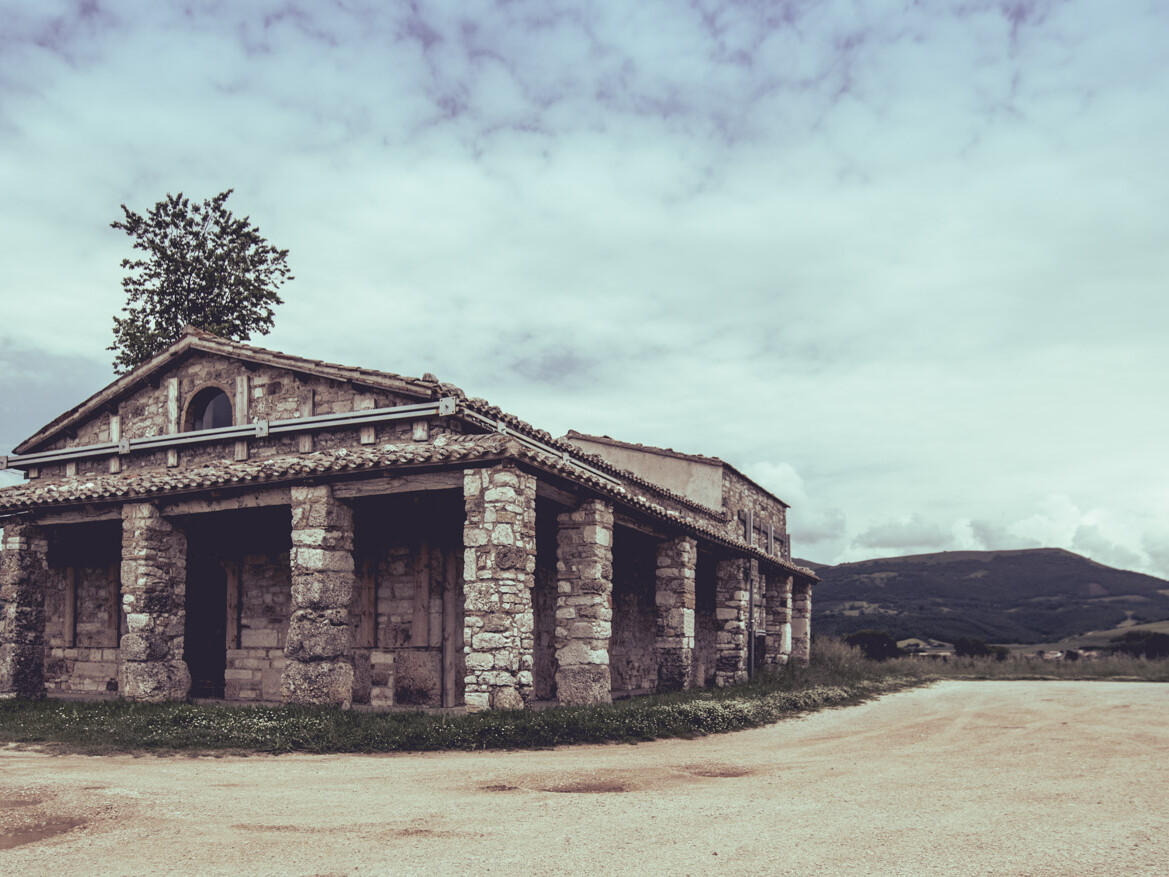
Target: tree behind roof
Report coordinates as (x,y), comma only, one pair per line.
(202,266)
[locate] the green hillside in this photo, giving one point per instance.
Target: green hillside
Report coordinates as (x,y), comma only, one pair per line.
(1031,596)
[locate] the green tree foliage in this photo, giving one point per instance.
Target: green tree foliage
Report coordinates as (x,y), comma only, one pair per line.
(969,647)
(200,265)
(1142,643)
(877,645)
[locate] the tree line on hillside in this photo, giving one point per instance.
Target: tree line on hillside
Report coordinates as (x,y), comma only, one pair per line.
(879,645)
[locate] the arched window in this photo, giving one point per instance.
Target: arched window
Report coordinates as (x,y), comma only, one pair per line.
(210,409)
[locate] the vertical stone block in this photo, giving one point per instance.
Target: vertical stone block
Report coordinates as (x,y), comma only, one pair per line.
(499,571)
(319,645)
(584,603)
(801,625)
(154,590)
(730,611)
(674,594)
(778,608)
(24,575)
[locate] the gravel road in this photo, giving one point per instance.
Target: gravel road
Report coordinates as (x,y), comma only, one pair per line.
(1002,778)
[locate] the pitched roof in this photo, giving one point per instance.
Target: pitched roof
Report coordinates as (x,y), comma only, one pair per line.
(636,446)
(331,463)
(196,340)
(670,452)
(641,490)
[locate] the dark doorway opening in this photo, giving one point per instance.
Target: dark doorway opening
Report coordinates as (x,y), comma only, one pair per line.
(205,644)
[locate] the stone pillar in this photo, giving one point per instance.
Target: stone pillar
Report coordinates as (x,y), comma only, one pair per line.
(674,595)
(730,612)
(801,645)
(24,573)
(584,604)
(319,645)
(154,590)
(499,572)
(778,608)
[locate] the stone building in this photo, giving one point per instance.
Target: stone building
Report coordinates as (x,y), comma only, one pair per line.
(231,522)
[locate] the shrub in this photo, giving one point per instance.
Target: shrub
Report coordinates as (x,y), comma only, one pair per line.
(969,647)
(877,645)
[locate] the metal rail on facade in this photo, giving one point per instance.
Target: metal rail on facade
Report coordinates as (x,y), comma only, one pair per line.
(537,445)
(258,429)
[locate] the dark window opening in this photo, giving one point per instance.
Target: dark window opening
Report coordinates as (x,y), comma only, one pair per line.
(210,409)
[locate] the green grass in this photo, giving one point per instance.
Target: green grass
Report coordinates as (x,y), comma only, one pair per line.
(837,676)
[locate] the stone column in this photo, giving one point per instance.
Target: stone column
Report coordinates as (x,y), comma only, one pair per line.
(319,645)
(584,604)
(499,572)
(730,612)
(154,591)
(24,573)
(674,595)
(801,645)
(778,607)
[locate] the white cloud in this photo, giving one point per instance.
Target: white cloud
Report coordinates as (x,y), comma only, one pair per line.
(904,265)
(913,532)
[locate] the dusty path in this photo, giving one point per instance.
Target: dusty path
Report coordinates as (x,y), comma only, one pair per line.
(963,778)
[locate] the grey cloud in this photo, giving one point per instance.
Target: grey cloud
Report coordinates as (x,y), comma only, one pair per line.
(815,527)
(992,536)
(1156,546)
(913,533)
(557,366)
(1090,540)
(36,386)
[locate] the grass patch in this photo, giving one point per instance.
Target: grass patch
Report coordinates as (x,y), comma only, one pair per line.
(837,676)
(121,726)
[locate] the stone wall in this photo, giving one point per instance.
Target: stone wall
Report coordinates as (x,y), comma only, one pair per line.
(499,565)
(801,627)
(24,578)
(267,393)
(706,625)
(413,579)
(674,631)
(740,496)
(778,610)
(86,658)
(584,603)
(154,576)
(256,662)
(319,642)
(731,601)
(632,658)
(544,622)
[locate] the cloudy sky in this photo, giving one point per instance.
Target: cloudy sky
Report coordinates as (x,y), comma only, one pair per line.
(905,262)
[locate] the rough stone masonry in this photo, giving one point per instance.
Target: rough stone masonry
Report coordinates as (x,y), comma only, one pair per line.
(345,536)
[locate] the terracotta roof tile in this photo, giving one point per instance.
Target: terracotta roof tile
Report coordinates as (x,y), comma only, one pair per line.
(130,485)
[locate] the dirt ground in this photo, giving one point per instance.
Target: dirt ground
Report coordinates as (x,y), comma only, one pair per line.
(1037,778)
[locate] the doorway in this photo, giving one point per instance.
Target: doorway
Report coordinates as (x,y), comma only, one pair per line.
(205,645)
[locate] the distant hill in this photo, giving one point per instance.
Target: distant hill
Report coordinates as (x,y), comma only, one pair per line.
(1030,596)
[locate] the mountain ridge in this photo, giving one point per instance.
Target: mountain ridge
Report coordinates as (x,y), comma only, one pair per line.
(1012,596)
